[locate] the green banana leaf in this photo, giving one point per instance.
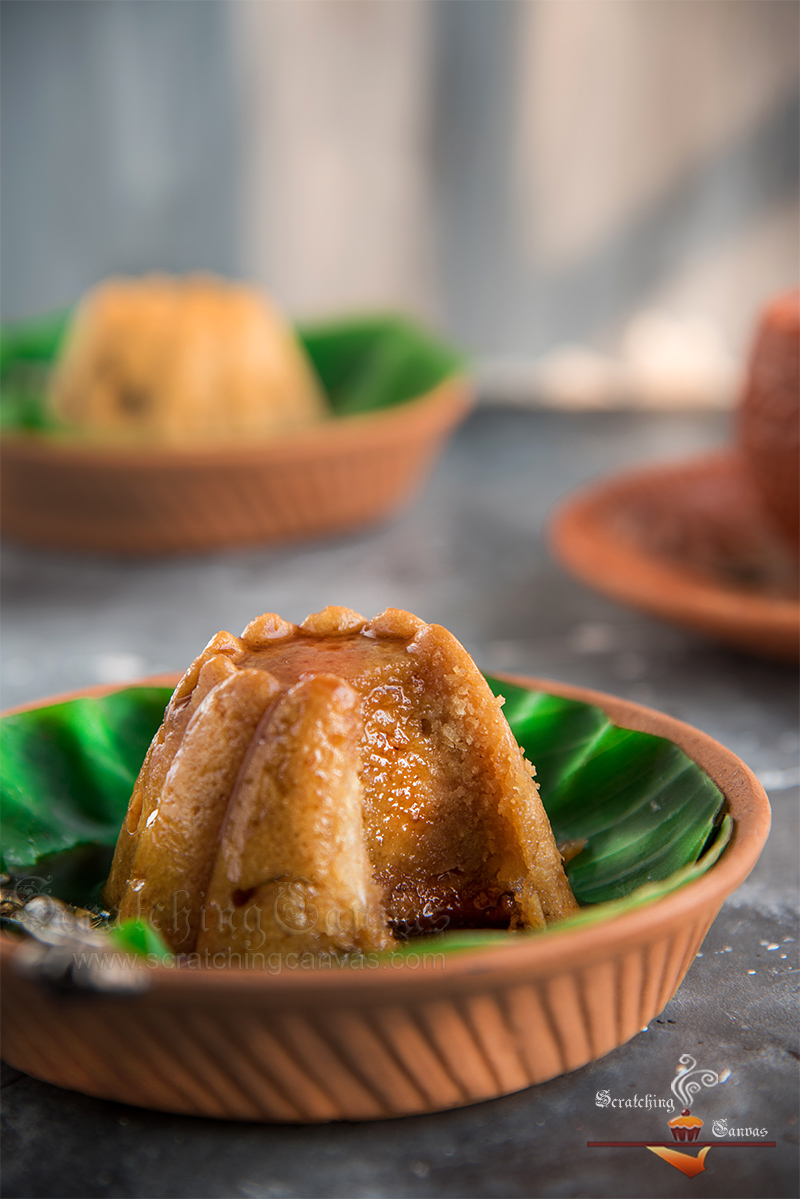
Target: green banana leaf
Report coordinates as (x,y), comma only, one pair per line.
(67,775)
(644,807)
(364,365)
(651,819)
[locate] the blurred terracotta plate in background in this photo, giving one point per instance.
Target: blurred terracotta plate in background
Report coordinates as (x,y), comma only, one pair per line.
(396,393)
(687,542)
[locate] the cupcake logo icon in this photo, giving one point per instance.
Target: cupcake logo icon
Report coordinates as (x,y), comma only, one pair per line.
(689,1080)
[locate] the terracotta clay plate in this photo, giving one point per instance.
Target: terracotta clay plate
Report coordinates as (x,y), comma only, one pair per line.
(396,392)
(313,483)
(418,1034)
(688,543)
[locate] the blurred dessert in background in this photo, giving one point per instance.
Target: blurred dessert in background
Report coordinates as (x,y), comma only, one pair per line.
(170,415)
(737,517)
(769,416)
(710,542)
(707,518)
(167,360)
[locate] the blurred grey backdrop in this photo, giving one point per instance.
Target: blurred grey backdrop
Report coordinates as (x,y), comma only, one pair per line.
(526,174)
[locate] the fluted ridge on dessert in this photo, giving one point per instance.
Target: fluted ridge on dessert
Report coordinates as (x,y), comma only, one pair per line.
(329,785)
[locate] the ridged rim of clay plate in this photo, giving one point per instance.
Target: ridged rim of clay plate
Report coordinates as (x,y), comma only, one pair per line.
(583,538)
(532,957)
(60,494)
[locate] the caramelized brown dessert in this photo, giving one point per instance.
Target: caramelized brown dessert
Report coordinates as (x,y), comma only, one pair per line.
(769,415)
(335,784)
(737,523)
(712,525)
(162,360)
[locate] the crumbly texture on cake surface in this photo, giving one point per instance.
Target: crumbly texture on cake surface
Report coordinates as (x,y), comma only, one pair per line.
(335,785)
(166,360)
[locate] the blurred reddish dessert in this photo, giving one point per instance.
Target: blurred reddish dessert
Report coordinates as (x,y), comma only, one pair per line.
(769,416)
(735,516)
(708,518)
(711,542)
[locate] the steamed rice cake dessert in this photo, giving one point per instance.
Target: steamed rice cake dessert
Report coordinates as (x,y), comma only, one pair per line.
(335,784)
(168,361)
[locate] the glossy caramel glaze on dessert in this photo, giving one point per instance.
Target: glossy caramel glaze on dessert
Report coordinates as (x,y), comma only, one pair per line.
(338,783)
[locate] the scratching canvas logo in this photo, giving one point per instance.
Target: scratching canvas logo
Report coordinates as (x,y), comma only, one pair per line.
(685,1127)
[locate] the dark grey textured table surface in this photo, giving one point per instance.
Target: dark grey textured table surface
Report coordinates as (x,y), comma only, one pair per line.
(469,554)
